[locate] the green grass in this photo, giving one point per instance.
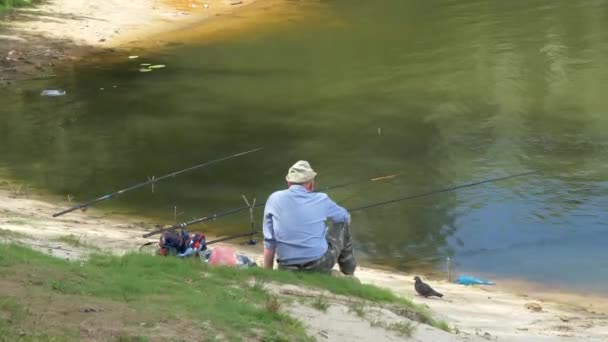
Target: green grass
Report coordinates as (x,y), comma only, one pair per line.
(11,234)
(357,307)
(8,4)
(404,328)
(234,302)
(320,303)
(444,326)
(171,287)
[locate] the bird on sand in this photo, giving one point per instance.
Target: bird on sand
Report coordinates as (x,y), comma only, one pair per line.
(424,289)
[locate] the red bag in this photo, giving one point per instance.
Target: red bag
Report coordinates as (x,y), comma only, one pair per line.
(224,256)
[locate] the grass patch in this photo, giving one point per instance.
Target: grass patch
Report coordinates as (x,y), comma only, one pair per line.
(169,287)
(337,285)
(320,303)
(258,286)
(357,307)
(403,328)
(443,325)
(273,305)
(234,302)
(17,222)
(11,234)
(8,4)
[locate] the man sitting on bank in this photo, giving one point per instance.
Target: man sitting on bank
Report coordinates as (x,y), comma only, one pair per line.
(294,227)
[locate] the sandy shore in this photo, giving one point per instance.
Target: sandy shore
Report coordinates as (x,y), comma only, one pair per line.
(37,40)
(478,313)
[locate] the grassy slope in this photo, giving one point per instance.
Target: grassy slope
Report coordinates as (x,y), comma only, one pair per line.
(8,4)
(230,302)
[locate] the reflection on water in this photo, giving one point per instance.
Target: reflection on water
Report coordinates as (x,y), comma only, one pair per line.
(443,92)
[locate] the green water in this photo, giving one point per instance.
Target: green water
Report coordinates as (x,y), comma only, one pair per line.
(441,92)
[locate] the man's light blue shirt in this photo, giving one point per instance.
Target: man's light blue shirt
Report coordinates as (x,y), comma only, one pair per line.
(294,224)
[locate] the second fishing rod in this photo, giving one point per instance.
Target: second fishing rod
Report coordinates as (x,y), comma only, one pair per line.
(253,206)
(368,206)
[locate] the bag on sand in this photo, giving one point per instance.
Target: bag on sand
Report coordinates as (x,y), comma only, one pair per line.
(226,256)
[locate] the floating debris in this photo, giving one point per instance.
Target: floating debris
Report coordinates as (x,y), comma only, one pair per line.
(144,70)
(145,64)
(52,92)
(133,57)
(157,66)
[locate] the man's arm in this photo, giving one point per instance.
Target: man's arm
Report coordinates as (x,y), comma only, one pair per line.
(269,239)
(269,258)
(336,213)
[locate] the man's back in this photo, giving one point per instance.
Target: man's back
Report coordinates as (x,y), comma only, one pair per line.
(294,223)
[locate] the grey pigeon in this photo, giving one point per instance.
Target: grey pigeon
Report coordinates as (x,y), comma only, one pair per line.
(424,289)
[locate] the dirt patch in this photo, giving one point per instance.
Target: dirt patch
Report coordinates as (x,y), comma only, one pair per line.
(347,319)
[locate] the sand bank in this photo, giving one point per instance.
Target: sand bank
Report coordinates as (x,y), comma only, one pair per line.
(37,40)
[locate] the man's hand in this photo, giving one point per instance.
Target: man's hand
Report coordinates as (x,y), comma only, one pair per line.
(269,258)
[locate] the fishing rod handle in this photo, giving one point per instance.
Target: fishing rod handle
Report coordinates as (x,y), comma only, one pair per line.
(69,210)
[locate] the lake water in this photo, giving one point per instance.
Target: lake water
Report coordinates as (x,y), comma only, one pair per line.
(441,93)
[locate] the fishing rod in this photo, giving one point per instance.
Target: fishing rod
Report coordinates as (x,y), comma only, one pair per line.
(151,181)
(434,192)
(251,207)
(232,237)
(236,210)
(202,219)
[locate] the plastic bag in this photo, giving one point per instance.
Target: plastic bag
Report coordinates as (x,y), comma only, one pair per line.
(226,256)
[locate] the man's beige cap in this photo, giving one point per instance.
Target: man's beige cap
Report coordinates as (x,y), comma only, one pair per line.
(300,172)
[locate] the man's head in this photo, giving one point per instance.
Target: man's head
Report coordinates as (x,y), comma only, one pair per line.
(301,173)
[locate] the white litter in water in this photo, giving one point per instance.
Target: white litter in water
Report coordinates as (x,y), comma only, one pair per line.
(144,70)
(52,92)
(157,66)
(133,57)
